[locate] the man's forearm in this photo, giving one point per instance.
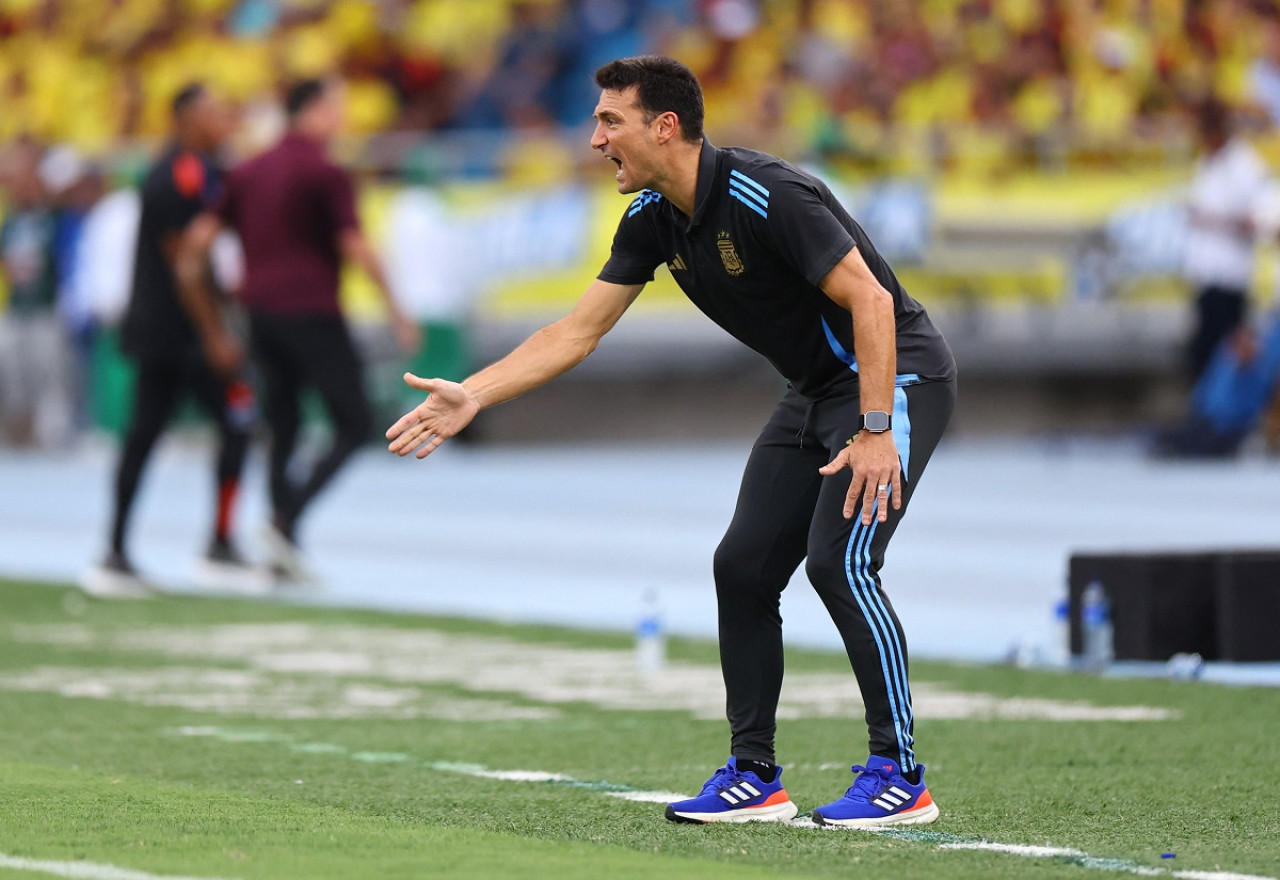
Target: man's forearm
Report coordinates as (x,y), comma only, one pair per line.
(189,259)
(875,335)
(196,297)
(373,268)
(356,248)
(875,347)
(542,357)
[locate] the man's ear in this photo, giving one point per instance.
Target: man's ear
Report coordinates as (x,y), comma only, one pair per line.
(668,126)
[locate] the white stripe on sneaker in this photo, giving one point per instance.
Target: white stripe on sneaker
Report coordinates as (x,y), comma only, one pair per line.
(751,789)
(729,798)
(892,798)
(905,795)
(740,794)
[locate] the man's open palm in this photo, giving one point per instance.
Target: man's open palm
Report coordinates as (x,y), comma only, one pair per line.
(448,409)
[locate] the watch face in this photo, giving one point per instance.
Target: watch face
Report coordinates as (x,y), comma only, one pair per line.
(876,422)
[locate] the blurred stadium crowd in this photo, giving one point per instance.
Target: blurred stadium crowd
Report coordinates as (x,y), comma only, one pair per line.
(996,78)
(927,89)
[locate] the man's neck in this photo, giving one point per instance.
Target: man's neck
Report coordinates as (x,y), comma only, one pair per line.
(191,143)
(680,185)
(305,133)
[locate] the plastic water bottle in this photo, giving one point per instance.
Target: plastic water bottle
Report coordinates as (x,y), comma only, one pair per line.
(651,643)
(1184,666)
(1059,653)
(1095,615)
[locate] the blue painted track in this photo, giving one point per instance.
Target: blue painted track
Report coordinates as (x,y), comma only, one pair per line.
(575,535)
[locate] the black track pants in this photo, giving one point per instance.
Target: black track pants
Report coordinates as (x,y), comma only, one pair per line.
(1220,312)
(786,512)
(160,387)
(293,353)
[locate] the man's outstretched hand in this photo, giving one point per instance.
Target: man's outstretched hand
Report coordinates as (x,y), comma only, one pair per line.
(448,409)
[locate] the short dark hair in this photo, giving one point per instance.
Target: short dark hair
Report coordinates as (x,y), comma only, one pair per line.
(303,94)
(187,97)
(1213,116)
(662,84)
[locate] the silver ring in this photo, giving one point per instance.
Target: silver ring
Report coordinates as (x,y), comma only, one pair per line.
(882,488)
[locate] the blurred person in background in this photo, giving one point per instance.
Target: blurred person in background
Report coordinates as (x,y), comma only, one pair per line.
(767,252)
(1239,391)
(520,92)
(1264,73)
(159,335)
(35,404)
(1229,179)
(295,213)
(76,186)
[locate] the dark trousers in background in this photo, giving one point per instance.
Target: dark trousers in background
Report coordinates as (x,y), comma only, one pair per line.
(293,353)
(786,512)
(1220,312)
(160,386)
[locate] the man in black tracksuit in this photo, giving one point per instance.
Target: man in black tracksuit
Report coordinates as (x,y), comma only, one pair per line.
(766,252)
(159,336)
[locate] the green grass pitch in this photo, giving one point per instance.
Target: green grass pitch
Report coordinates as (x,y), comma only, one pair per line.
(313,743)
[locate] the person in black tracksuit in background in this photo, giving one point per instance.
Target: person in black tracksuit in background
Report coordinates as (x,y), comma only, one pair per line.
(159,337)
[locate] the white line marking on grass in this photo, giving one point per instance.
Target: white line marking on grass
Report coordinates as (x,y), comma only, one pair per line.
(520,775)
(373,757)
(1071,856)
(646,797)
(265,693)
(1085,860)
(319,749)
(84,870)
(297,670)
(941,839)
(1014,849)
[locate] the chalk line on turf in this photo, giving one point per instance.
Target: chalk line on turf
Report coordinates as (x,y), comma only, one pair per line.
(78,870)
(311,670)
(941,839)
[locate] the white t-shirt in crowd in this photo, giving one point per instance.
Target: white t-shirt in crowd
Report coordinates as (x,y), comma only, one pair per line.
(1225,190)
(104,264)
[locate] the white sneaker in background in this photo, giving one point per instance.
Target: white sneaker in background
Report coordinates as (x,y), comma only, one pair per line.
(224,570)
(285,559)
(116,578)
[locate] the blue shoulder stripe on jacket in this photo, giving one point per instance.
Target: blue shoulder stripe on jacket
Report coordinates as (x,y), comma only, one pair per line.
(646,196)
(737,194)
(750,193)
(735,187)
(735,173)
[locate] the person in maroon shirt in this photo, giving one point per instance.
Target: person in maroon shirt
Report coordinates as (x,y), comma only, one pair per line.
(295,213)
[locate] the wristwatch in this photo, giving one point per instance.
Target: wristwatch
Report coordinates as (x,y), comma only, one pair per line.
(875,422)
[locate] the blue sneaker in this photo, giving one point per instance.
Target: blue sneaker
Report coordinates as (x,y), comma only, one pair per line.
(731,795)
(880,796)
